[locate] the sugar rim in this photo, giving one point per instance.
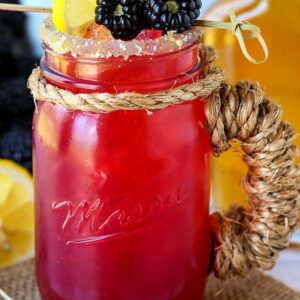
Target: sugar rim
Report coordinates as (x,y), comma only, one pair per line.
(63,43)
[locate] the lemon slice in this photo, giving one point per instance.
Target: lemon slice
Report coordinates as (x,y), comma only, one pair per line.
(16,213)
(6,185)
(73,16)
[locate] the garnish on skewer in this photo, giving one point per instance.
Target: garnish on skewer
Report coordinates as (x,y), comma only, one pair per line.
(25,8)
(98,32)
(120,16)
(172,15)
(124,18)
(73,16)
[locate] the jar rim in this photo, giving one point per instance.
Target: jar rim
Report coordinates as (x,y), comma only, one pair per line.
(63,43)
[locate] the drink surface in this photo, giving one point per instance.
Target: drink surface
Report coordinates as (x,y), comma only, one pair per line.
(280,25)
(122,198)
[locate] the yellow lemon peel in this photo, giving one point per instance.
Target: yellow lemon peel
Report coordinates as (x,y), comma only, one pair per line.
(16,213)
(73,16)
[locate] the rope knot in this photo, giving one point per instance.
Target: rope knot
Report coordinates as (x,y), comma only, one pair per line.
(238,28)
(236,25)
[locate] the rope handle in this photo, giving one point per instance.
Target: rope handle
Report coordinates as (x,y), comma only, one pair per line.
(237,28)
(252,237)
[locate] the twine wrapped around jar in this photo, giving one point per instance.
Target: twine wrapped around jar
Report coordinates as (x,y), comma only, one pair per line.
(245,238)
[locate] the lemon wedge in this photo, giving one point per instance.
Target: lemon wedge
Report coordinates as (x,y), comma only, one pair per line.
(16,213)
(73,16)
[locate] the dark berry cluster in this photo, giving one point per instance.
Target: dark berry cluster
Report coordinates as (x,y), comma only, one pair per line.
(126,18)
(16,109)
(16,105)
(16,143)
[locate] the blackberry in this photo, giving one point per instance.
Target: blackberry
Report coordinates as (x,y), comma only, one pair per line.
(122,17)
(175,15)
(15,144)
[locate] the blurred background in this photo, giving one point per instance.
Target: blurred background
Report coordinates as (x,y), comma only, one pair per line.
(279,20)
(16,106)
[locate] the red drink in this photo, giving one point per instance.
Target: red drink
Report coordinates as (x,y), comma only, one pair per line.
(122,198)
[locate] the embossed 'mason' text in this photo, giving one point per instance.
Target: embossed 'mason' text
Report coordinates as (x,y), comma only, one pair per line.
(99,222)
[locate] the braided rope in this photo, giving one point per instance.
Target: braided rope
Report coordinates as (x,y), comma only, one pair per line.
(252,237)
(245,238)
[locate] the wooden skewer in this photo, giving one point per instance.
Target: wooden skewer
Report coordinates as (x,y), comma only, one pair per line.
(25,8)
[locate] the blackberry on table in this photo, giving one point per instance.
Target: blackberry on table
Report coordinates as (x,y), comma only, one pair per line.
(122,17)
(15,144)
(173,15)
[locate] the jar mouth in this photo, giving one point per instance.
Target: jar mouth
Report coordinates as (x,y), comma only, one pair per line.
(143,74)
(63,43)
